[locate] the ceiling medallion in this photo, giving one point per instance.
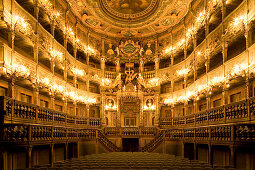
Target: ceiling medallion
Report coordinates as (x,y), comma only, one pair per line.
(128,9)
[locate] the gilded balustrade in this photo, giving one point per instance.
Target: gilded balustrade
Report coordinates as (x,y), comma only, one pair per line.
(235,112)
(105,141)
(228,134)
(37,133)
(153,144)
(130,131)
(14,111)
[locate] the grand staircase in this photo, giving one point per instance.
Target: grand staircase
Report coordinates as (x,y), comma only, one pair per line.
(130,160)
(154,143)
(107,143)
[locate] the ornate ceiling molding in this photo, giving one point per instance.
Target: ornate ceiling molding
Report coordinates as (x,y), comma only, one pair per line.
(155,17)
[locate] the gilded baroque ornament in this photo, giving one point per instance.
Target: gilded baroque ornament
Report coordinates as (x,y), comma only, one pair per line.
(140,17)
(129,48)
(128,9)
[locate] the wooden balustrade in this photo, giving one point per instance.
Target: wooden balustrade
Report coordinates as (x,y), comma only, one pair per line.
(37,133)
(95,122)
(153,144)
(130,131)
(110,75)
(13,111)
(148,75)
(228,134)
(235,112)
(107,143)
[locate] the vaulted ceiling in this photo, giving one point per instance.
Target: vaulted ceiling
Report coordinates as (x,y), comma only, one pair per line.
(130,18)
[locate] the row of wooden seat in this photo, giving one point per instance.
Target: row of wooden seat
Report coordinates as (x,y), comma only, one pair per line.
(130,160)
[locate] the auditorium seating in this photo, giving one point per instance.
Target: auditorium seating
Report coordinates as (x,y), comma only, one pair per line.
(131,160)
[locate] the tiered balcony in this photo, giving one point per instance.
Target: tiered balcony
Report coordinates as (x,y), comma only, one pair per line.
(238,112)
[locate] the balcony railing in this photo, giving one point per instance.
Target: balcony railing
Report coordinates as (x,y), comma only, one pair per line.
(22,133)
(241,111)
(107,143)
(228,134)
(13,111)
(222,133)
(130,131)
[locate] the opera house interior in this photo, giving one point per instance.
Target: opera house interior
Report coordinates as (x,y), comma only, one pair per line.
(127,84)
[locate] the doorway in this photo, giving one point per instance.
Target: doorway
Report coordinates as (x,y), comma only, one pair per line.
(130,144)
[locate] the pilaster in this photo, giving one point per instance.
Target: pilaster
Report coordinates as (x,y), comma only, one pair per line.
(29,156)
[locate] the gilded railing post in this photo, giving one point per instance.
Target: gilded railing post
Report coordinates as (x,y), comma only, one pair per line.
(210,133)
(52,132)
(232,133)
(29,133)
(97,134)
(248,103)
(195,119)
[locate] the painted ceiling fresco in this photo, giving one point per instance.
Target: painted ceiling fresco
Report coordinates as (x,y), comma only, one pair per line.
(129,6)
(130,18)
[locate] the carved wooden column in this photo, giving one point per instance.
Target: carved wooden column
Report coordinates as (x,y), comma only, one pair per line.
(53,28)
(117,67)
(103,59)
(66,150)
(75,108)
(66,105)
(195,151)
(87,113)
(172,59)
(87,44)
(195,105)
(232,155)
(223,9)
(183,148)
(141,64)
(225,95)
(52,101)
(141,120)
(103,109)
(118,116)
(11,87)
(36,9)
(75,75)
(36,95)
(52,154)
(224,51)
(208,101)
(195,68)
(210,151)
(78,150)
(248,35)
(185,109)
(156,60)
(171,45)
(3,158)
(172,111)
(87,59)
(29,156)
(248,84)
(102,63)
(156,123)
